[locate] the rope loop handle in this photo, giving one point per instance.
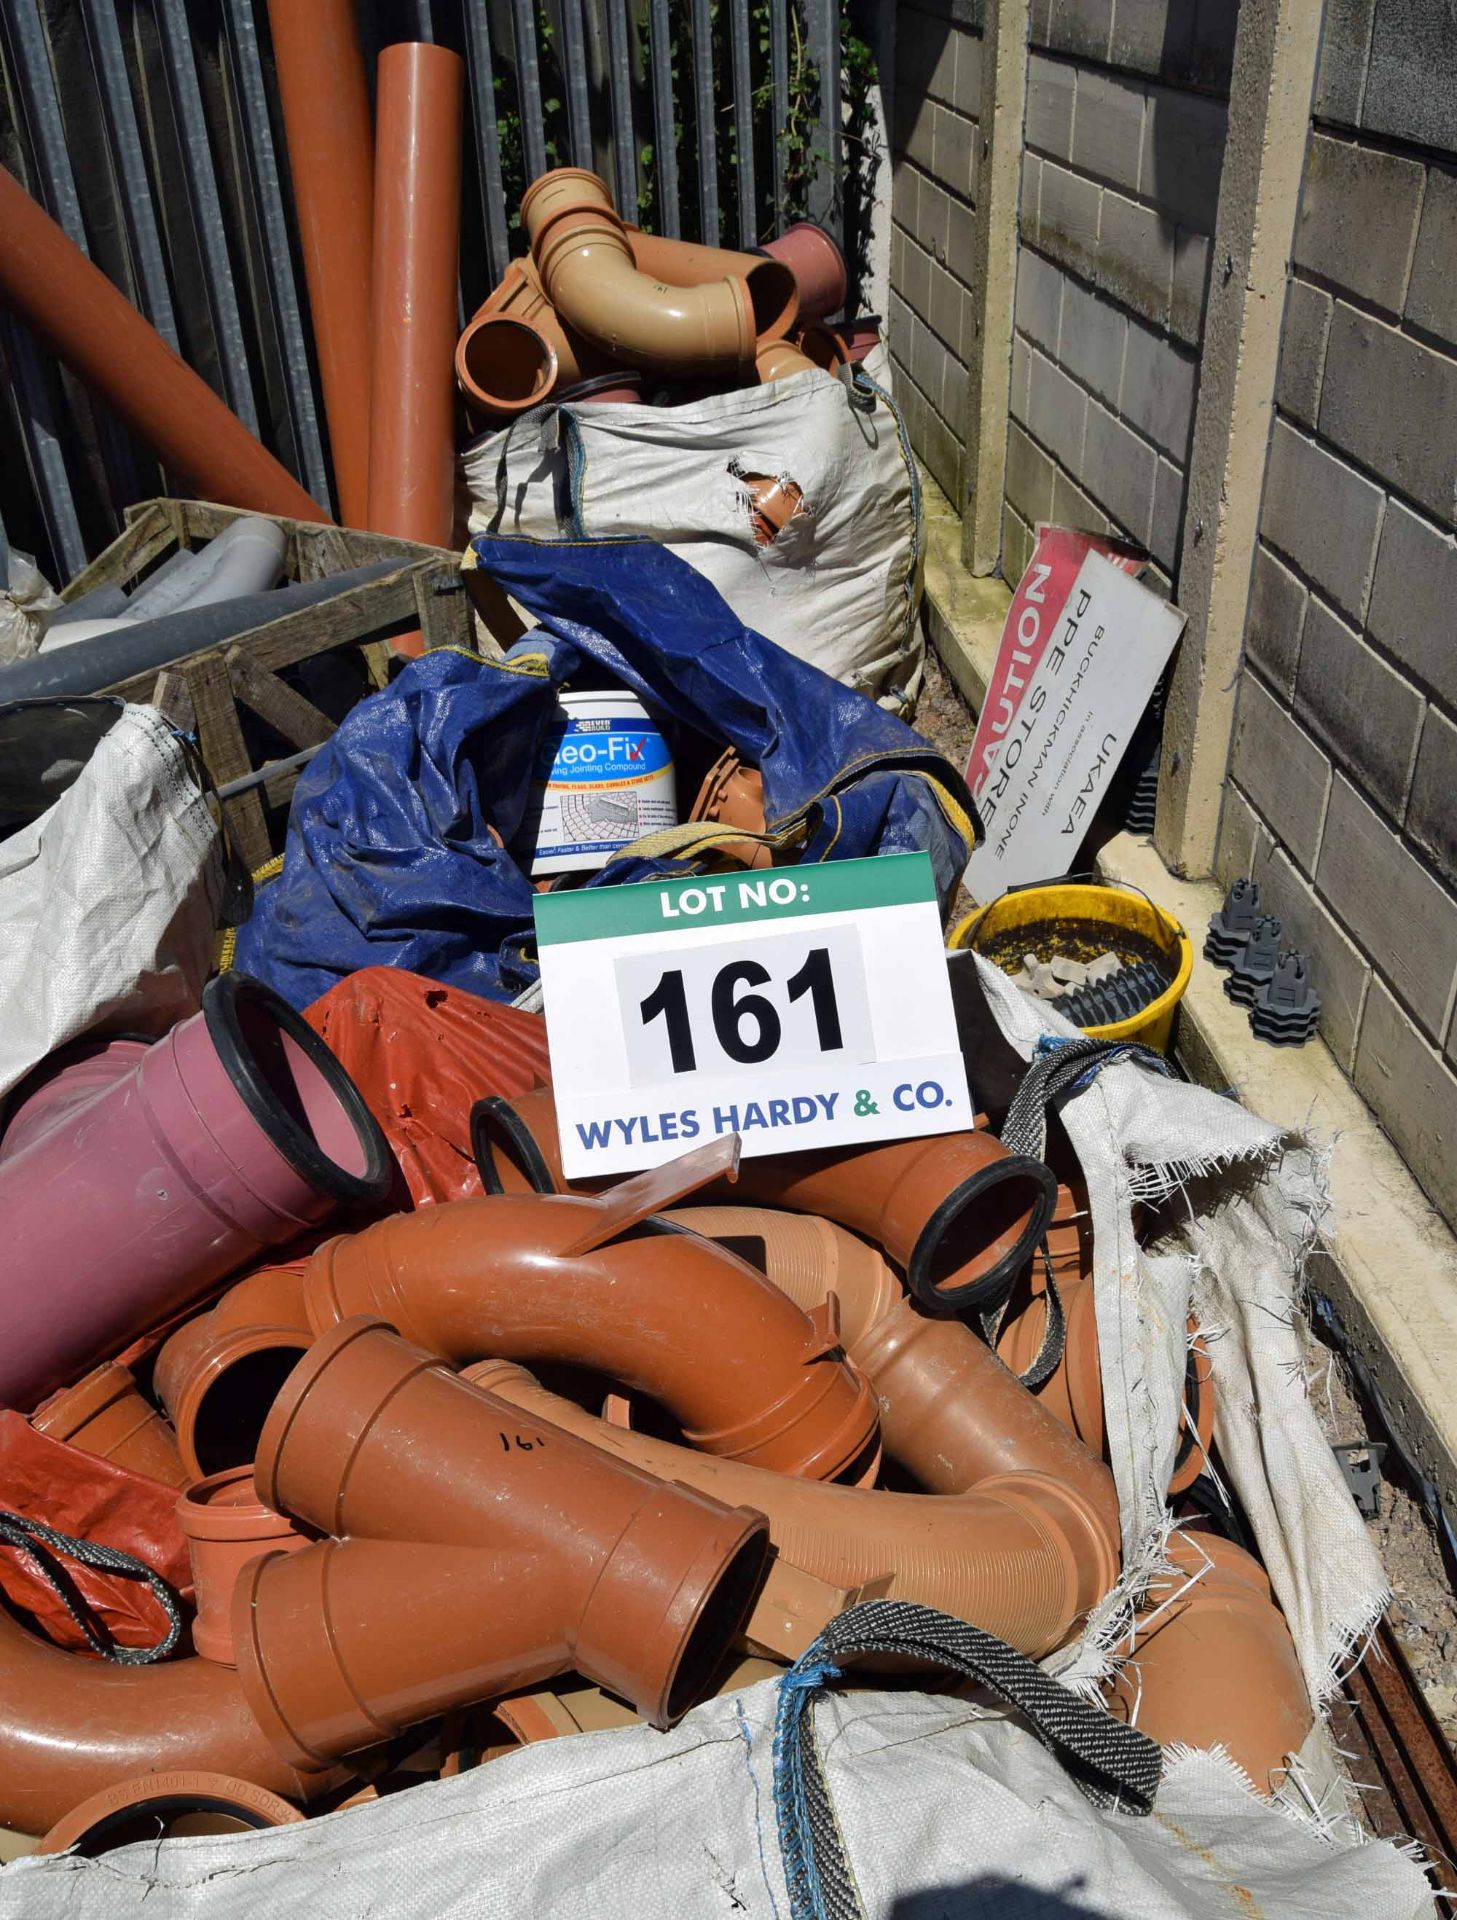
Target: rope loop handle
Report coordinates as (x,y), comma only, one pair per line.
(1112,1765)
(45,1548)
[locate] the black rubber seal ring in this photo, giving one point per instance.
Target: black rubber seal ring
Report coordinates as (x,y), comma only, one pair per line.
(494,1121)
(993,1287)
(91,1844)
(221,999)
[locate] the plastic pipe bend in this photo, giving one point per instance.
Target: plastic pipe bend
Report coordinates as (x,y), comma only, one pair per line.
(582,253)
(773,290)
(957,1213)
(743,1370)
(1216,1664)
(951,1414)
(71,1726)
(1022,1556)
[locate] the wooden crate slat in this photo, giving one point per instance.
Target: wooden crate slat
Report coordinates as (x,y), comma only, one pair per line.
(172,698)
(223,748)
(282,706)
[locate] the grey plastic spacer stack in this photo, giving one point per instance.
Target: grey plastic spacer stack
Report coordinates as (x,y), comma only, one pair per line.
(1233,924)
(1118,996)
(1255,962)
(1286,1007)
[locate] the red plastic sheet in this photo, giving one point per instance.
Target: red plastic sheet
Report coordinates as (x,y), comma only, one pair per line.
(81,1494)
(422,1054)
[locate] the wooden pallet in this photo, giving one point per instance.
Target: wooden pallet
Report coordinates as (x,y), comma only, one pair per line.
(202,693)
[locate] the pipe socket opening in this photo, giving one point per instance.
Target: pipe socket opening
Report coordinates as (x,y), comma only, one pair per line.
(1005,1207)
(296,1090)
(507,1158)
(173,1819)
(230,1414)
(505,365)
(710,1640)
(774,297)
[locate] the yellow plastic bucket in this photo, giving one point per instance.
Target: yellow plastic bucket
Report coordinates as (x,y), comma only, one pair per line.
(1046,919)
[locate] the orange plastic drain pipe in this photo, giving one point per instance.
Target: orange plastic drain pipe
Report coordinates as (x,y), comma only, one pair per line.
(1217,1665)
(519,298)
(416,242)
(957,1213)
(91,326)
(325,100)
(583,254)
(950,1412)
(741,1366)
(1022,1555)
(743,1370)
(508,1551)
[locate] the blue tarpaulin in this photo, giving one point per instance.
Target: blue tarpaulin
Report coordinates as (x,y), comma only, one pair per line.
(397,850)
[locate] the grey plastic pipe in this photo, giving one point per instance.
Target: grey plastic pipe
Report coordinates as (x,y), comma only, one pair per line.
(139,645)
(245,558)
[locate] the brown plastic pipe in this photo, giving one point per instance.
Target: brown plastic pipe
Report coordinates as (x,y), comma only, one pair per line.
(91,327)
(416,247)
(71,1726)
(957,1213)
(1215,1664)
(585,260)
(218,1373)
(504,365)
(1022,1555)
(507,1551)
(745,1373)
(951,1414)
(325,100)
(166,1806)
(773,291)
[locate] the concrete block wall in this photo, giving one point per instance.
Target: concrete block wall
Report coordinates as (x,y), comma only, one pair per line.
(1125,131)
(934,155)
(1342,798)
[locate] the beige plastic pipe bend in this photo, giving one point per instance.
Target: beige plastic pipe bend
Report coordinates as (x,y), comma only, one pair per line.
(1022,1556)
(951,1414)
(582,252)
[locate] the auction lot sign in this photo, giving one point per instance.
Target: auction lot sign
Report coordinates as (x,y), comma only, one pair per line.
(798,1007)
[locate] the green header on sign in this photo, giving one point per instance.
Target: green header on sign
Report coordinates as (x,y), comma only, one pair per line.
(778,893)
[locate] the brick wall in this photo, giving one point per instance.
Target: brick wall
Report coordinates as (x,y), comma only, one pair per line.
(934,151)
(1343,795)
(1126,112)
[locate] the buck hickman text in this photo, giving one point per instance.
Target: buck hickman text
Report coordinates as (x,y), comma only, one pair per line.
(1030,732)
